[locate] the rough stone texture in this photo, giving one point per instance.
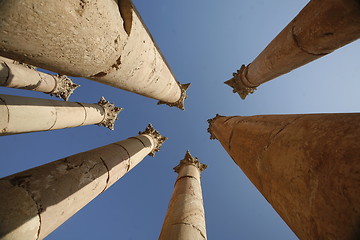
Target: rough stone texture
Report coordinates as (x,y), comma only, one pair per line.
(24,114)
(35,202)
(306,166)
(102,40)
(16,75)
(321,27)
(185,217)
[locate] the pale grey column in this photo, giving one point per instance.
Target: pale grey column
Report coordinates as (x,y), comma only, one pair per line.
(35,202)
(105,41)
(17,75)
(185,217)
(24,114)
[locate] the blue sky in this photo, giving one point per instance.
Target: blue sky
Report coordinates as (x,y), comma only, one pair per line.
(203,42)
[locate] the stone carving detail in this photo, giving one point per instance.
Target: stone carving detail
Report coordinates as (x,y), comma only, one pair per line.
(209,128)
(238,85)
(158,138)
(190,160)
(180,102)
(111,113)
(64,87)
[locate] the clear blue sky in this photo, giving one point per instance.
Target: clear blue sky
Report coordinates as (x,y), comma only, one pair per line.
(204,42)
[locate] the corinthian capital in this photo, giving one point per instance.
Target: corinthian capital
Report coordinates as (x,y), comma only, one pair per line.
(158,138)
(190,160)
(111,113)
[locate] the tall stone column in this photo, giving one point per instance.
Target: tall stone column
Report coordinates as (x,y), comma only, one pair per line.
(17,75)
(306,166)
(24,114)
(321,27)
(185,217)
(105,41)
(35,202)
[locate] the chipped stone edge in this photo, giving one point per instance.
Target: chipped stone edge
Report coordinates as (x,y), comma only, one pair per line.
(238,85)
(24,64)
(110,115)
(158,138)
(190,160)
(181,102)
(64,87)
(212,136)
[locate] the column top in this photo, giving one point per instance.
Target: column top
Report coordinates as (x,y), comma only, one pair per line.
(190,160)
(238,85)
(212,136)
(179,103)
(158,138)
(110,113)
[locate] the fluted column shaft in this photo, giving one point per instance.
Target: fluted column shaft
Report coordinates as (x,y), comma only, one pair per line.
(321,27)
(306,166)
(185,217)
(24,114)
(35,202)
(105,41)
(17,75)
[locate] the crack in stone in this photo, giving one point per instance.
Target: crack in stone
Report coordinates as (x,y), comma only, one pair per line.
(191,225)
(302,48)
(23,182)
(129,157)
(282,129)
(108,175)
(185,177)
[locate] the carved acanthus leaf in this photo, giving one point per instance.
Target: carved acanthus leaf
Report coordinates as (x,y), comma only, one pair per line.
(64,87)
(180,103)
(158,138)
(190,160)
(111,113)
(238,85)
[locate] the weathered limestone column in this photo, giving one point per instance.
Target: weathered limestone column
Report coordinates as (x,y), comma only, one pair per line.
(306,166)
(35,202)
(24,114)
(185,217)
(321,27)
(104,40)
(17,75)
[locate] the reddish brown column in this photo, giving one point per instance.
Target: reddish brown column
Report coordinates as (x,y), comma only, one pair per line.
(306,166)
(321,27)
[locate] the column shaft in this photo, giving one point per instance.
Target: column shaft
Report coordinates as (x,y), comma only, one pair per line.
(306,166)
(16,75)
(185,217)
(321,27)
(24,114)
(35,202)
(105,41)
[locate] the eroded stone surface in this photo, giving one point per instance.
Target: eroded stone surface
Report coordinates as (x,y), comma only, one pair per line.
(185,218)
(306,166)
(35,202)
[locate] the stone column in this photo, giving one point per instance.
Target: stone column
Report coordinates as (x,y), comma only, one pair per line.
(24,114)
(306,166)
(321,27)
(35,202)
(105,41)
(17,75)
(185,217)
